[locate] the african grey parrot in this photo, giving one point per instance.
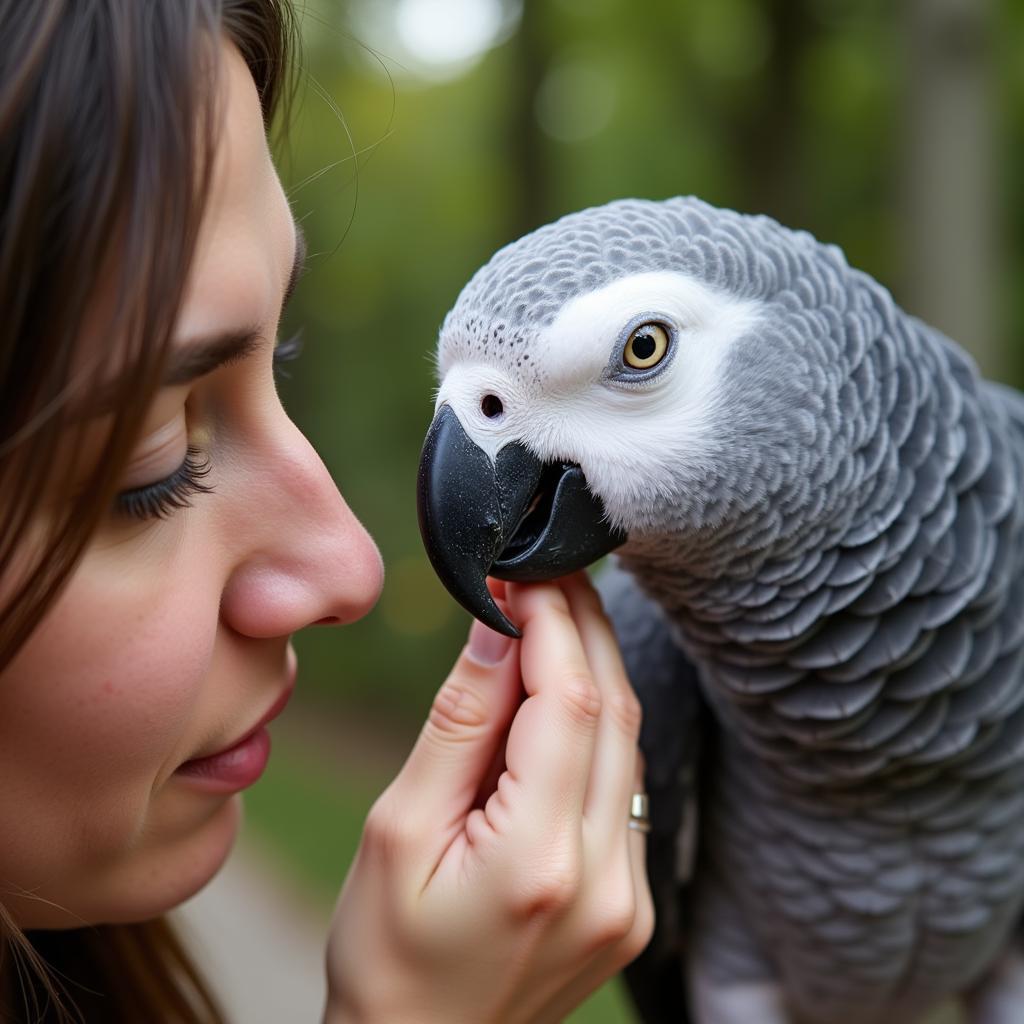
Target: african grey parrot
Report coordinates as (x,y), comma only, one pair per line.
(818,511)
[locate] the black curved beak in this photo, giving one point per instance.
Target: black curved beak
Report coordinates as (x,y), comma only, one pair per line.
(516,518)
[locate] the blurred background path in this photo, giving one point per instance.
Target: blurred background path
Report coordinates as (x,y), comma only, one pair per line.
(259,941)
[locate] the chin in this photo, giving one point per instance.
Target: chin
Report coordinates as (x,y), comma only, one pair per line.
(145,883)
(176,872)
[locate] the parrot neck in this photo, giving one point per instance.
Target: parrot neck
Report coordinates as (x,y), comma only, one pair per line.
(885,642)
(697,565)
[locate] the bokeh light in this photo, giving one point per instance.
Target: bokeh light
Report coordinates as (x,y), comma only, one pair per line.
(436,39)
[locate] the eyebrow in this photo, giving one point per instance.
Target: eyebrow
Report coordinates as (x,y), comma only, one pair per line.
(202,356)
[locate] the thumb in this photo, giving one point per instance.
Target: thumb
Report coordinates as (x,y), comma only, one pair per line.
(457,745)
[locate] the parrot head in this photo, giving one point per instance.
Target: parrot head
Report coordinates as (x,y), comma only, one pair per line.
(630,373)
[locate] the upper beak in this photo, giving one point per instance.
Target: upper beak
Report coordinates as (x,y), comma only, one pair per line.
(515,518)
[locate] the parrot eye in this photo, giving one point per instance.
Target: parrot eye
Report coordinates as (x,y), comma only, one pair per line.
(646,346)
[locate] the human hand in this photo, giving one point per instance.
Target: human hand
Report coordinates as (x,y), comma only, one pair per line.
(497,880)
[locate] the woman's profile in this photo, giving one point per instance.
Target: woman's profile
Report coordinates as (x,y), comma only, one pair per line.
(164,530)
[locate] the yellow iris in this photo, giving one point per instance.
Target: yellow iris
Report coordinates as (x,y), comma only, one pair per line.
(646,346)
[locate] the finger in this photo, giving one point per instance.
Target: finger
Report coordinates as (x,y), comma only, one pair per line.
(460,740)
(637,839)
(619,950)
(551,743)
(489,783)
(633,929)
(490,780)
(497,768)
(611,787)
(643,920)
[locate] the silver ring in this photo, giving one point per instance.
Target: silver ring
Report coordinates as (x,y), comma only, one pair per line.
(639,813)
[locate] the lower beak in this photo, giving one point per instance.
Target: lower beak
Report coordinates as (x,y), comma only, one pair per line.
(515,518)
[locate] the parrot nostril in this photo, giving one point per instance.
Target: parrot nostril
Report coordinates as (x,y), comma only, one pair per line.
(491,406)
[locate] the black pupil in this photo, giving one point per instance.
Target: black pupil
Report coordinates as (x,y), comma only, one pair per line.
(644,346)
(491,406)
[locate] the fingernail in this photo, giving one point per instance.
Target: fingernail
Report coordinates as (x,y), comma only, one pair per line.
(487,646)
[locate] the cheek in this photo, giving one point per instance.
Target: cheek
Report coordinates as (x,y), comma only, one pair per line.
(96,708)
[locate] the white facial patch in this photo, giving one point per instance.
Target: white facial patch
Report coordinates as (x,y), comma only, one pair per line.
(632,439)
(630,436)
(585,332)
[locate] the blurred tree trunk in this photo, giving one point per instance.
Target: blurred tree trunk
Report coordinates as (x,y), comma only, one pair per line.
(949,173)
(529,200)
(769,131)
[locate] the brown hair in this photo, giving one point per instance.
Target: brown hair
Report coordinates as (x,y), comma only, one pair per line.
(106,131)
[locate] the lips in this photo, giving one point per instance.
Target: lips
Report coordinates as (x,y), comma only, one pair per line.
(239,764)
(514,518)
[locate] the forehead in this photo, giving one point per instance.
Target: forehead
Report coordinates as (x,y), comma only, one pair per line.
(585,333)
(525,286)
(246,237)
(529,281)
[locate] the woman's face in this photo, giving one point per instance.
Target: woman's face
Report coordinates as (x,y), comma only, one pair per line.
(120,719)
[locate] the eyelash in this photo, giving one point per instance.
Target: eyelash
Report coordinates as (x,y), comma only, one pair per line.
(163,498)
(286,351)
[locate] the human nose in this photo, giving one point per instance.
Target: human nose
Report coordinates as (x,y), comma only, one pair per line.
(302,555)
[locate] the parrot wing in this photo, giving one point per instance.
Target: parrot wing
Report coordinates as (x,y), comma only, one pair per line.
(675,721)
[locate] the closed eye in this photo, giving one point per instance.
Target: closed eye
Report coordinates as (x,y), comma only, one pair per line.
(162,498)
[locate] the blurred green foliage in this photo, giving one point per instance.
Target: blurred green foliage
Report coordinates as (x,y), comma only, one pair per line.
(406,180)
